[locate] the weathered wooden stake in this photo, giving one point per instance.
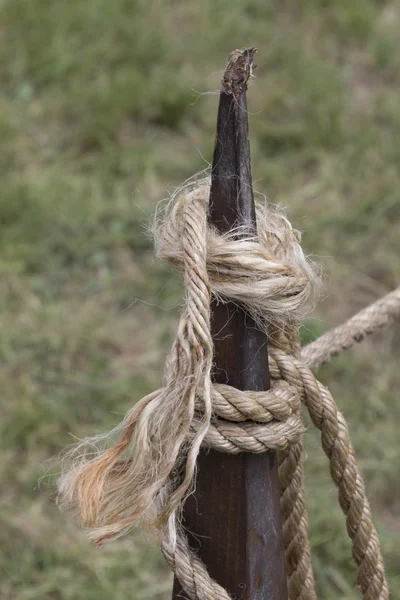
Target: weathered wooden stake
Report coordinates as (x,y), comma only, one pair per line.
(234,517)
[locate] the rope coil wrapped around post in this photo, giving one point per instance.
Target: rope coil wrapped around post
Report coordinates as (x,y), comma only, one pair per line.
(144,470)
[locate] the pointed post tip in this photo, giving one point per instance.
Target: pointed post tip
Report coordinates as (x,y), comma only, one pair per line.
(231,199)
(238,71)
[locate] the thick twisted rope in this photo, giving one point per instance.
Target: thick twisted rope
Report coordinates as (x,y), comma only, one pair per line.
(147,473)
(369,320)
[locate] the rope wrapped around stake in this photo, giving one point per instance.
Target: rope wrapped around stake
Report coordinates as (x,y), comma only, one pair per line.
(144,469)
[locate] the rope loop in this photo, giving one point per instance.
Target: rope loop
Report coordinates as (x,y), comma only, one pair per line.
(254,421)
(278,403)
(268,274)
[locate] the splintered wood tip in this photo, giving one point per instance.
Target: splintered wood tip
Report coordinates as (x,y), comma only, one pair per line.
(238,71)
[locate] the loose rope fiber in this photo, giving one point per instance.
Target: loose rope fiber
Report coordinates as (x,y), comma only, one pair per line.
(143,471)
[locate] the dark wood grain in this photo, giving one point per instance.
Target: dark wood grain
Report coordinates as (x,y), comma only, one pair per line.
(233,520)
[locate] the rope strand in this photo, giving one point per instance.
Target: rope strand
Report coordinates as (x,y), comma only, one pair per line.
(369,320)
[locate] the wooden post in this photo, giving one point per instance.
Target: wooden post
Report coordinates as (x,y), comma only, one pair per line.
(234,520)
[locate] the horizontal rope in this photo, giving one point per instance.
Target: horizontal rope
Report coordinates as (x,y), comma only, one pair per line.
(278,403)
(234,438)
(369,320)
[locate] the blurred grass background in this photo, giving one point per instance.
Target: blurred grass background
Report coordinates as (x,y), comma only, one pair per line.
(102,114)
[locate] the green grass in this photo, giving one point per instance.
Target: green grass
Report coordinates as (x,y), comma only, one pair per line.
(103,112)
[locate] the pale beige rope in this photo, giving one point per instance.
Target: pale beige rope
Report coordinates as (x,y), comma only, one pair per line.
(243,415)
(191,572)
(301,585)
(344,471)
(113,488)
(379,314)
(295,524)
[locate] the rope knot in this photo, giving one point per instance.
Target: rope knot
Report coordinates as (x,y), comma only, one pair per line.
(254,421)
(267,274)
(270,277)
(146,474)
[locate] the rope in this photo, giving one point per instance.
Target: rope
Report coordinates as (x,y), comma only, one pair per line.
(369,320)
(145,475)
